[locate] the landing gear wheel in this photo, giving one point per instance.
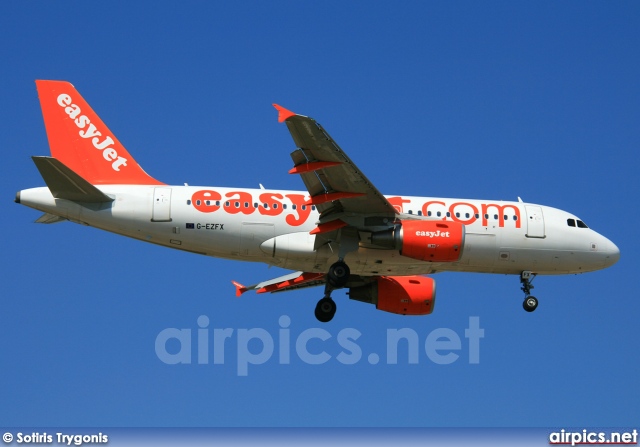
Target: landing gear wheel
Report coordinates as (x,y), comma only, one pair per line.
(339,274)
(337,277)
(530,303)
(325,310)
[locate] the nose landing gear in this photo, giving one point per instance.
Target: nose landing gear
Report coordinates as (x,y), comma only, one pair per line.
(336,279)
(530,302)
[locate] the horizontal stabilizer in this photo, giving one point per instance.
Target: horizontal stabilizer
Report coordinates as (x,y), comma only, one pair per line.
(48,218)
(66,184)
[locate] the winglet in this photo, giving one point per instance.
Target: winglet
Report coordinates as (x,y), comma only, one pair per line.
(240,289)
(283,114)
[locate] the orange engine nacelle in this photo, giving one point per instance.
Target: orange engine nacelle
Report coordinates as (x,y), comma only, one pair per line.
(405,295)
(425,240)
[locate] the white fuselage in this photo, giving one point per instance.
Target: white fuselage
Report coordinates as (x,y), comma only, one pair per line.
(273,226)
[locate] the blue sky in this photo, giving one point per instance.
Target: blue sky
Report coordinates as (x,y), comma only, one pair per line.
(452,99)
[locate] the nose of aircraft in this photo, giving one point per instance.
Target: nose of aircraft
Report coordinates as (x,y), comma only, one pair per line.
(611,252)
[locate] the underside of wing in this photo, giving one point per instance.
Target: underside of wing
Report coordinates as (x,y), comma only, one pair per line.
(295,280)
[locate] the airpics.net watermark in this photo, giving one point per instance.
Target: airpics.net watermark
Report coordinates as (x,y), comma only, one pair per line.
(257,346)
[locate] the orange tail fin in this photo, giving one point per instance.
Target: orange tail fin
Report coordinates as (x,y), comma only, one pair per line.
(80,140)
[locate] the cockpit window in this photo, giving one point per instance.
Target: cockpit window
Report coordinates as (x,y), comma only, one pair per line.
(571,222)
(581,224)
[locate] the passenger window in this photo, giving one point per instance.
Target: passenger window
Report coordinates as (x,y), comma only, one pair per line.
(284,206)
(506,217)
(410,212)
(227,203)
(495,217)
(458,215)
(466,215)
(275,206)
(439,214)
(571,222)
(477,216)
(313,207)
(246,204)
(293,207)
(515,217)
(207,202)
(255,205)
(237,204)
(188,202)
(198,202)
(429,213)
(419,213)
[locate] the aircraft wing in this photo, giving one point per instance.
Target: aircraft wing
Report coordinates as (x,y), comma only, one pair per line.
(335,184)
(295,280)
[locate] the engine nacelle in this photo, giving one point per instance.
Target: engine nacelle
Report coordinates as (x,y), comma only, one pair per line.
(405,295)
(425,240)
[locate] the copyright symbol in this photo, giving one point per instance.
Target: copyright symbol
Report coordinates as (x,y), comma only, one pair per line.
(7,437)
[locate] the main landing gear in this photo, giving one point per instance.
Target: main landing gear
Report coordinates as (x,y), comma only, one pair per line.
(336,279)
(530,302)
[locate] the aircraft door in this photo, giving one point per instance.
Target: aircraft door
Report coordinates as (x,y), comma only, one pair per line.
(161,205)
(535,221)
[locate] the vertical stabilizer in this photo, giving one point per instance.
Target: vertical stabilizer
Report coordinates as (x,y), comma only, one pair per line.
(82,142)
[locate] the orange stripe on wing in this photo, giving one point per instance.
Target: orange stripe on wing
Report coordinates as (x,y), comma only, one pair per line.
(313,166)
(329,226)
(324,198)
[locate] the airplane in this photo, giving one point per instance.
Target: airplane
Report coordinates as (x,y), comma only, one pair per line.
(341,233)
